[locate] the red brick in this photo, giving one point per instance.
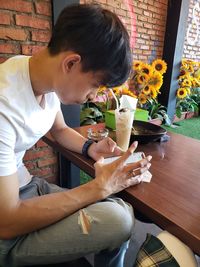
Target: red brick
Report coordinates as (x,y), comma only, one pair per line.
(31,49)
(5,18)
(43,8)
(35,154)
(13,34)
(41,36)
(30,165)
(33,22)
(18,5)
(9,49)
(47,162)
(41,143)
(41,172)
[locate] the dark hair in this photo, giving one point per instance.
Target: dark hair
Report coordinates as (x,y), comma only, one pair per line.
(98,36)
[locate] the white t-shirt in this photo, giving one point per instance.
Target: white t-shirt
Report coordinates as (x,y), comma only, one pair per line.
(22,120)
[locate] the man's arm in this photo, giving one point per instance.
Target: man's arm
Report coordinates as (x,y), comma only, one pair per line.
(72,140)
(24,216)
(65,135)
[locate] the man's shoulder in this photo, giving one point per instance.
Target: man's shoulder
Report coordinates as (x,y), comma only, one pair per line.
(12,72)
(13,63)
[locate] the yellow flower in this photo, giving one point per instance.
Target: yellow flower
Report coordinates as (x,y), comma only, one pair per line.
(117,90)
(142,78)
(146,68)
(190,68)
(159,65)
(154,93)
(195,82)
(142,99)
(181,93)
(188,90)
(137,64)
(127,92)
(102,89)
(147,89)
(186,83)
(156,80)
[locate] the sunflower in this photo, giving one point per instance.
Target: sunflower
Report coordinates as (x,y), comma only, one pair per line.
(142,98)
(127,92)
(137,64)
(190,68)
(186,83)
(102,89)
(147,89)
(116,90)
(183,72)
(195,82)
(159,65)
(156,80)
(188,90)
(142,78)
(154,93)
(181,93)
(146,68)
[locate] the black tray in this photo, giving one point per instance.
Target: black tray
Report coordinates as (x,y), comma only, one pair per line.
(145,132)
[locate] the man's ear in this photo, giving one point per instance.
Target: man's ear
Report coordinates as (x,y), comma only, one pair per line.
(70,61)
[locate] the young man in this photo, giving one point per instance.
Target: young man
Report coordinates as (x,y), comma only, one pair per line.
(40,223)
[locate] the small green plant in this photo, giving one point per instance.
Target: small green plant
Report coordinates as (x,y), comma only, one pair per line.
(186,104)
(156,110)
(91,113)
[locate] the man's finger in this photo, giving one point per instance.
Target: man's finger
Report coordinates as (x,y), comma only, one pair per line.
(112,145)
(127,154)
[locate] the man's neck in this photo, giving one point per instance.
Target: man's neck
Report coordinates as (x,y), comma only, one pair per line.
(41,73)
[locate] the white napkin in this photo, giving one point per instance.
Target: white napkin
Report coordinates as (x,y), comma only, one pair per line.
(129,102)
(144,177)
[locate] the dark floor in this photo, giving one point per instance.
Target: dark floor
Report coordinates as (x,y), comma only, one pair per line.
(138,237)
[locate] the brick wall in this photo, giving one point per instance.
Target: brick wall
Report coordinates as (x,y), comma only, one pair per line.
(150,17)
(192,39)
(25,28)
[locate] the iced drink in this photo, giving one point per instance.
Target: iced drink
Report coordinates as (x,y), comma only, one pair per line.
(124,122)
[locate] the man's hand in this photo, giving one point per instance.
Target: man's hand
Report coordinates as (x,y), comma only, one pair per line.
(116,176)
(104,148)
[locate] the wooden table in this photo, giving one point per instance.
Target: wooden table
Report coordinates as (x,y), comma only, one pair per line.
(172,198)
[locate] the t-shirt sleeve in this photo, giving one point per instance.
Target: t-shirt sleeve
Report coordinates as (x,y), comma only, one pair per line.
(8,164)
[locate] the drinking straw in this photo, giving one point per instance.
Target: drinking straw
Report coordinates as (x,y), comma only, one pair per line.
(114,96)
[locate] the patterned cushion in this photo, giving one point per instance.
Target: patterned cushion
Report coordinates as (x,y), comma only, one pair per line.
(153,253)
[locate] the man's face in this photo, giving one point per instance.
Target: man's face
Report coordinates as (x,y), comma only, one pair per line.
(77,87)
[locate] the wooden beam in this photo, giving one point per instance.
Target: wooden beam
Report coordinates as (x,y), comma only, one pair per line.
(176,27)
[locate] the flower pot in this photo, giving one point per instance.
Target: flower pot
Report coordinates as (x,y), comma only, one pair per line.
(189,114)
(156,121)
(176,119)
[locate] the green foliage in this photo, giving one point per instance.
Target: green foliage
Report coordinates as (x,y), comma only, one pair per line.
(156,110)
(196,95)
(91,113)
(186,104)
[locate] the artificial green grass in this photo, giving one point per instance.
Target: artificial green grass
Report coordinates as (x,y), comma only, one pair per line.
(189,127)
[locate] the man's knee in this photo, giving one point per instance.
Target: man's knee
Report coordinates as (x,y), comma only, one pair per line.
(114,219)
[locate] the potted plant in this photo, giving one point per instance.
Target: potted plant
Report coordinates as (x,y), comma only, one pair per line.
(146,83)
(188,93)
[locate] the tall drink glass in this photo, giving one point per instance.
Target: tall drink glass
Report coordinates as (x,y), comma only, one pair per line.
(124,122)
